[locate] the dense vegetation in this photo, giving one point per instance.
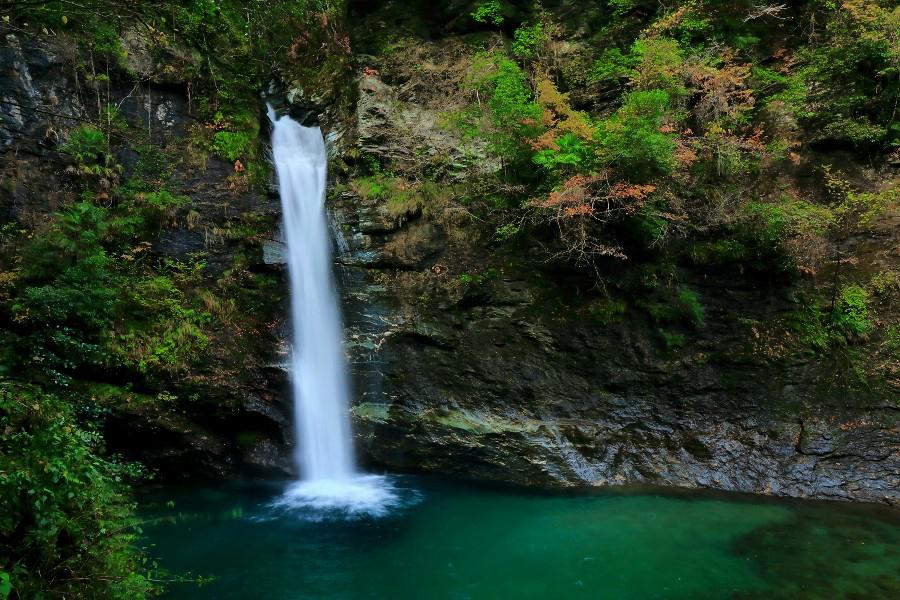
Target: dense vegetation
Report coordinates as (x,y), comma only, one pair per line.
(637,140)
(92,318)
(625,140)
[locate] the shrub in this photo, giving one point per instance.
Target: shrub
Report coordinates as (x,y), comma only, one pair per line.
(233,144)
(612,66)
(66,523)
(681,306)
(891,343)
(852,73)
(851,311)
(791,230)
(689,305)
(885,283)
(489,12)
(369,188)
(658,65)
(514,114)
(672,340)
(528,40)
(568,151)
(88,146)
(634,138)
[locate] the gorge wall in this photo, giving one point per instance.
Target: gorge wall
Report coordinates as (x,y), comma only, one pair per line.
(474,353)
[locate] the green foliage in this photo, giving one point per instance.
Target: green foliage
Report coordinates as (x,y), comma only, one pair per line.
(245,43)
(370,188)
(812,328)
(648,226)
(513,112)
(68,295)
(689,305)
(655,63)
(475,279)
(83,302)
(607,311)
(855,209)
(621,7)
(677,305)
(632,138)
(891,343)
(787,89)
(528,39)
(721,252)
(885,284)
(821,327)
(162,330)
(852,73)
(88,146)
(233,145)
(612,66)
(658,64)
(672,340)
(489,12)
(507,231)
(403,198)
(163,200)
(569,152)
(851,311)
(776,222)
(66,523)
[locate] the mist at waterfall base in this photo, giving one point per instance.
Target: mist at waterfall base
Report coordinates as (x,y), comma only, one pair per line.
(324,454)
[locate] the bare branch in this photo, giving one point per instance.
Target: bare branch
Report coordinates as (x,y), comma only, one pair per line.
(760,11)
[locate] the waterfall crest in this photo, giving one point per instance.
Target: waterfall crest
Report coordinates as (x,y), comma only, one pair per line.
(324,453)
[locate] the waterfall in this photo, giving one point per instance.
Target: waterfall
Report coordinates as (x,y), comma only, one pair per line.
(324,452)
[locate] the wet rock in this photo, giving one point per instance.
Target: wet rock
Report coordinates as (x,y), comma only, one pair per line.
(37,106)
(274,252)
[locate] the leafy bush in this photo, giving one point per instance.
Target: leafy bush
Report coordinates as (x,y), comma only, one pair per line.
(527,40)
(68,294)
(689,305)
(233,144)
(674,306)
(612,66)
(370,188)
(88,146)
(632,138)
(885,283)
(658,64)
(160,328)
(568,151)
(489,12)
(851,311)
(852,73)
(891,343)
(791,232)
(513,112)
(66,523)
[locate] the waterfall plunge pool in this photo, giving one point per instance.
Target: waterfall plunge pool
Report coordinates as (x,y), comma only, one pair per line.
(443,539)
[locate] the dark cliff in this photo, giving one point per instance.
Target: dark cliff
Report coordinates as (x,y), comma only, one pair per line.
(478,348)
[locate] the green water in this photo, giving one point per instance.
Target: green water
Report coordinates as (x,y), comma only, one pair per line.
(455,541)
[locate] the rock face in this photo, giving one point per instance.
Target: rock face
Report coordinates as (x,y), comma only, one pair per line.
(492,377)
(490,374)
(490,388)
(233,413)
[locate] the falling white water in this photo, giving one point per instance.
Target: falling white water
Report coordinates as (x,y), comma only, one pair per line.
(324,453)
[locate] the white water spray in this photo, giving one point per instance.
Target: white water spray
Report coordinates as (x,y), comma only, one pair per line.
(324,453)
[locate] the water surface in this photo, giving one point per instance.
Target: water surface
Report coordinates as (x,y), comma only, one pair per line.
(455,541)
